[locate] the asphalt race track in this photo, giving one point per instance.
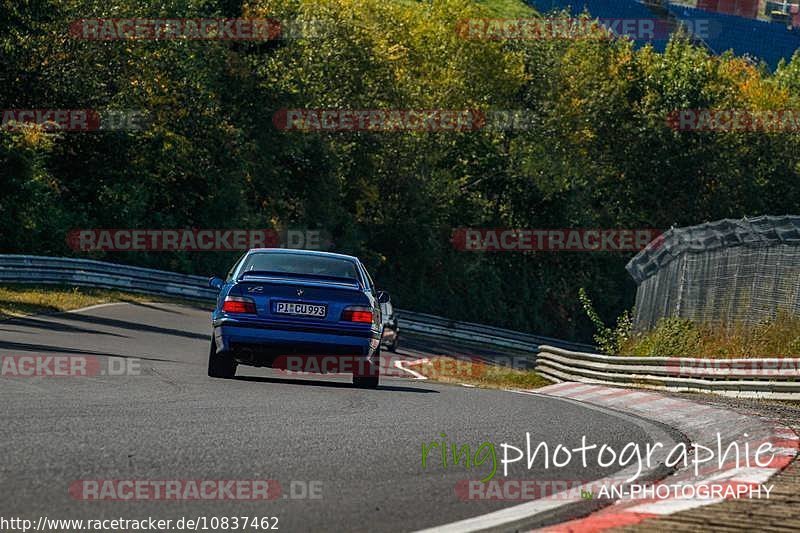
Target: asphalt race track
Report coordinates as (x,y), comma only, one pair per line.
(168,420)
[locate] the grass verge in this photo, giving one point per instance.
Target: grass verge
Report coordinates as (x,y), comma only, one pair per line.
(674,337)
(21,300)
(508,8)
(479,374)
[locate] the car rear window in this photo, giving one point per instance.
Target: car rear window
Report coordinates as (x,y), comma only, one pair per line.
(306,265)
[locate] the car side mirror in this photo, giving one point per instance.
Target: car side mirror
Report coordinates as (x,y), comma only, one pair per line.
(216,283)
(383,297)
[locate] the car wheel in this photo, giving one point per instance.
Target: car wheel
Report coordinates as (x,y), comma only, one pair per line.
(220,367)
(372,379)
(366,382)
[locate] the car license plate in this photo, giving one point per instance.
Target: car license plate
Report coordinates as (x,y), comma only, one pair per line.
(313,310)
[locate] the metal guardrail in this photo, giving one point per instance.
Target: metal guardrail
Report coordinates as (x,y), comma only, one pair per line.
(83,272)
(771,378)
(469,332)
(87,273)
(556,360)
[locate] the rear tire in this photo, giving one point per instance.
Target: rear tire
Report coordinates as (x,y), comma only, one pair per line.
(372,379)
(218,366)
(366,382)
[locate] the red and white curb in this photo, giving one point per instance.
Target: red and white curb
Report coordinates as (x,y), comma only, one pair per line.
(700,423)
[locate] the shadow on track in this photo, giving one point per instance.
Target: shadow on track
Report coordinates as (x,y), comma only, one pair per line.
(51,325)
(48,349)
(333,384)
(165,309)
(123,324)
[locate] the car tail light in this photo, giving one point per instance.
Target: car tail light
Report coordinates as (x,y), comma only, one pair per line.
(357,314)
(235,304)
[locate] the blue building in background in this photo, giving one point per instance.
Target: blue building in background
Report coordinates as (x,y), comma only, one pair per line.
(767,41)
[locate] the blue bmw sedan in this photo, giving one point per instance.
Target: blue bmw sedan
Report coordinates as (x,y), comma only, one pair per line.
(297,310)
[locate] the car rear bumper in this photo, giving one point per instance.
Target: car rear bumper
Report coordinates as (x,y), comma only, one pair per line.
(262,346)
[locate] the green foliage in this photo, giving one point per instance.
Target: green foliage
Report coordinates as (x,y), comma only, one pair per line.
(598,153)
(609,340)
(677,337)
(794,346)
(507,8)
(673,337)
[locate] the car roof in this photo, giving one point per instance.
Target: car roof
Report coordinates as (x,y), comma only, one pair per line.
(295,251)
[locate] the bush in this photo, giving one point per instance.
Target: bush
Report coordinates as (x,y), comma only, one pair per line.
(673,337)
(680,337)
(609,340)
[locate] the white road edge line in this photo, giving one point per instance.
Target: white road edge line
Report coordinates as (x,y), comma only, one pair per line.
(92,307)
(65,312)
(417,375)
